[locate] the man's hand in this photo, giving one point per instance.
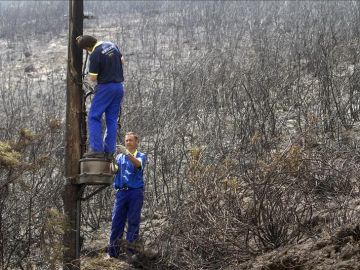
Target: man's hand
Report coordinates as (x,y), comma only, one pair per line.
(122,149)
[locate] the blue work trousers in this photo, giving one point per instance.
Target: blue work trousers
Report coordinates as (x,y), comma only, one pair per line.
(107,99)
(127,207)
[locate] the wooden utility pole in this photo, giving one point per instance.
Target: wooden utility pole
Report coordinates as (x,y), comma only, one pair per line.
(74,100)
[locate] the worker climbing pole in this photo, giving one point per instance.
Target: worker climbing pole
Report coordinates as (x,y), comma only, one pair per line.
(98,168)
(106,70)
(85,166)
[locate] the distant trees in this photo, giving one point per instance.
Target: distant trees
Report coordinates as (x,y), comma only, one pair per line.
(24,19)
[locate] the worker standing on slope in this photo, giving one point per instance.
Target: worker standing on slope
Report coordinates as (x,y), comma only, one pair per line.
(106,69)
(129,186)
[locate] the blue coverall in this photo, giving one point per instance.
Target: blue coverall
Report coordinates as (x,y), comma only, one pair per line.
(129,184)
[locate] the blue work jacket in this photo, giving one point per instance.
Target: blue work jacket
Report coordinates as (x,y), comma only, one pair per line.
(128,175)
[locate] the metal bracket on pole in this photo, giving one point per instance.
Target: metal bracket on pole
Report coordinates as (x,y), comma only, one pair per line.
(94,193)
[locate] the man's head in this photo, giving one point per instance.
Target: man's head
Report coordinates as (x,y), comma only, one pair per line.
(86,42)
(131,141)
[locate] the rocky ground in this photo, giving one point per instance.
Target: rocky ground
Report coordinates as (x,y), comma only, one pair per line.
(94,256)
(338,251)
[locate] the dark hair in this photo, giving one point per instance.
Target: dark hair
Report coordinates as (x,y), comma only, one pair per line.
(86,41)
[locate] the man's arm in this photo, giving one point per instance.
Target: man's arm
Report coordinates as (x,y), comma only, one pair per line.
(135,161)
(94,66)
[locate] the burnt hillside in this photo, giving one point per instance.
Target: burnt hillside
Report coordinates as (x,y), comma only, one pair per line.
(248,111)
